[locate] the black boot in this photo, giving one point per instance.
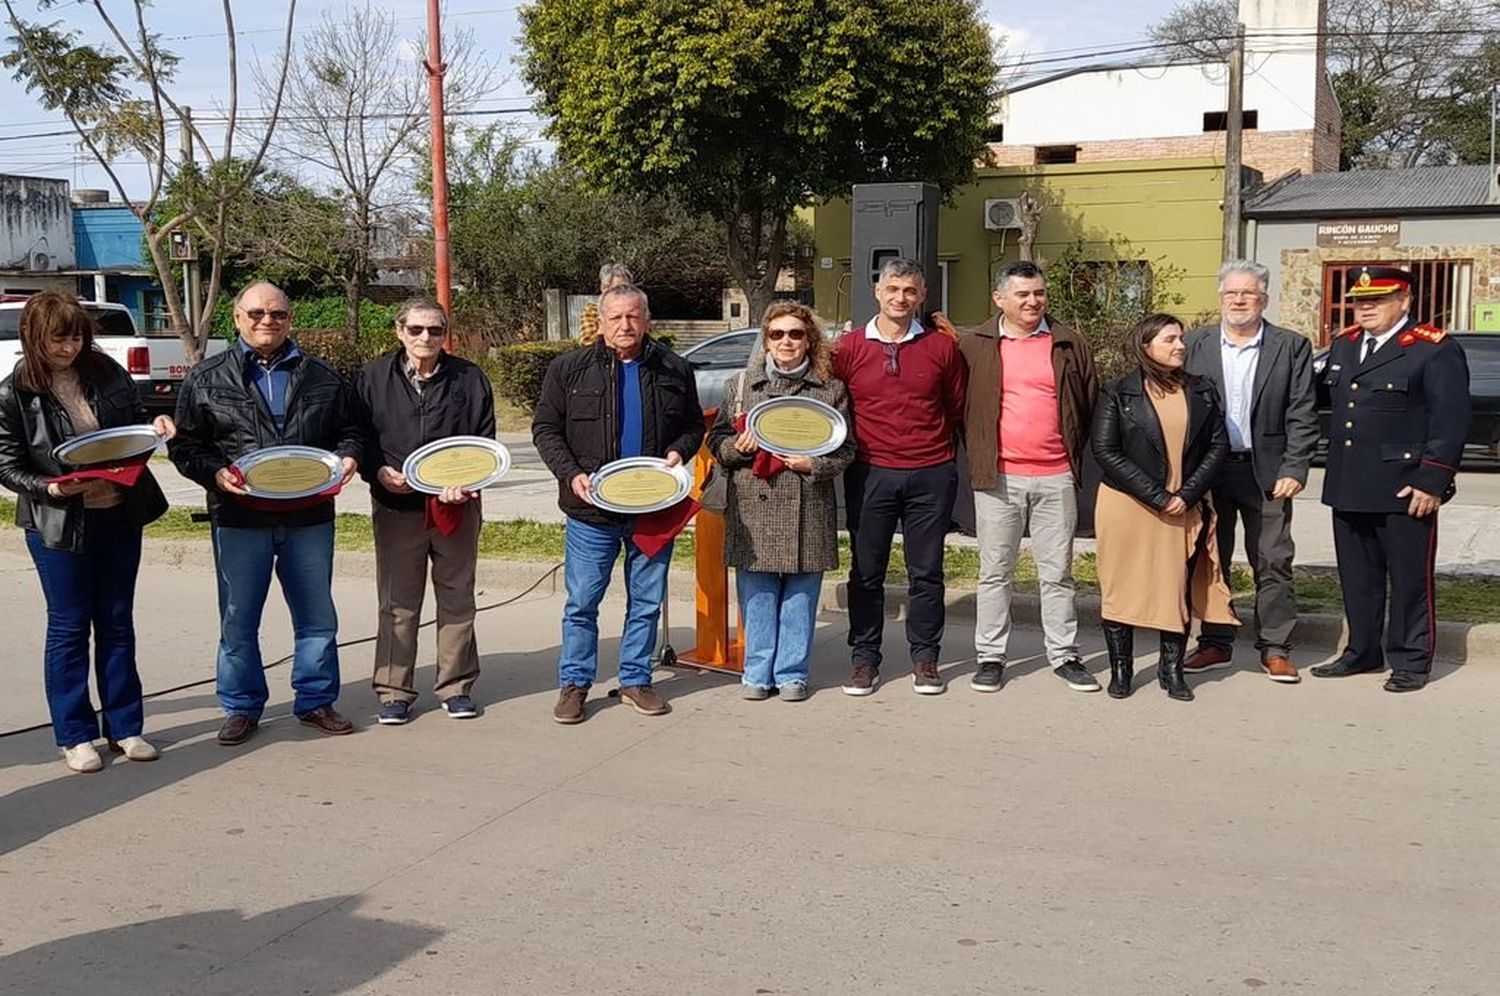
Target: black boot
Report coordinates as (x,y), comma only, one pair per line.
(1169,666)
(1120,639)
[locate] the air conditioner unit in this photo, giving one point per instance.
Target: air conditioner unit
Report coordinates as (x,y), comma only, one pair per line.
(39,261)
(1002,214)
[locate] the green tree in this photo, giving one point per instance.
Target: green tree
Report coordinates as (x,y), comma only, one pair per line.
(521,224)
(118,96)
(745,110)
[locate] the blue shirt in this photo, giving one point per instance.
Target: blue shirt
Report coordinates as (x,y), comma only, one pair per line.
(1239,385)
(272,379)
(630,408)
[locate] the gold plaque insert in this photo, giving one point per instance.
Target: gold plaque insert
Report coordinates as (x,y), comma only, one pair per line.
(458,466)
(105,451)
(639,487)
(287,475)
(794,428)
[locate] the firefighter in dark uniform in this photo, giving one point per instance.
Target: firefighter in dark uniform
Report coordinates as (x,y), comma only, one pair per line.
(1400,395)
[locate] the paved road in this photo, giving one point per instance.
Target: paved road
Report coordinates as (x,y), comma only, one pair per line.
(1469,540)
(1324,839)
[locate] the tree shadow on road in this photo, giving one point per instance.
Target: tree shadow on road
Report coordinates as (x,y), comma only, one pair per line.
(321,947)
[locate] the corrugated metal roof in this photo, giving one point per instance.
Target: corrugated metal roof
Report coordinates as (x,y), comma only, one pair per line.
(1421,190)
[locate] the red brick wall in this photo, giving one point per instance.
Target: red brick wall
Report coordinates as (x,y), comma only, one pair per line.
(1271,152)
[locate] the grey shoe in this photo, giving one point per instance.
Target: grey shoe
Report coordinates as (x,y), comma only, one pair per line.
(793,691)
(989,677)
(754,692)
(1073,672)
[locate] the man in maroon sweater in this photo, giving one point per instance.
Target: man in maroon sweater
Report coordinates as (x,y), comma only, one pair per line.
(906,392)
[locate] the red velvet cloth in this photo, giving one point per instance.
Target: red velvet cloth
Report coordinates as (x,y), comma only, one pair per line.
(125,473)
(443,517)
(654,530)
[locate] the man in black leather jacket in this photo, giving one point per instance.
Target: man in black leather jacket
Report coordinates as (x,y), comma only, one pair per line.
(624,396)
(264,392)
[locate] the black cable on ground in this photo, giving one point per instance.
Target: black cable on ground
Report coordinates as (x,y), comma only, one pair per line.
(283,660)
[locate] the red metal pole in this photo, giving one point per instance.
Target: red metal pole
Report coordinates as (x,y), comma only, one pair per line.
(435,70)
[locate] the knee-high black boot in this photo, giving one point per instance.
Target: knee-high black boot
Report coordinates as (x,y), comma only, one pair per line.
(1169,666)
(1120,639)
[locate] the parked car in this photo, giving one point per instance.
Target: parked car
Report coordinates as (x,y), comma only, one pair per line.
(1482,349)
(157,361)
(715,361)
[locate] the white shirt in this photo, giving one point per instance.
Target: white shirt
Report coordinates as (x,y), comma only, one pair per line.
(1380,340)
(1239,362)
(1039,330)
(872,331)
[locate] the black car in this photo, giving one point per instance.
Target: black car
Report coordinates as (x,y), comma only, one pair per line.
(1482,350)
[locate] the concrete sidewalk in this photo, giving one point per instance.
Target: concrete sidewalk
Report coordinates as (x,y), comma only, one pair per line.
(1324,838)
(1468,542)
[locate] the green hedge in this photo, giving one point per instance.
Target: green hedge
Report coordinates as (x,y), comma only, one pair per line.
(337,348)
(519,369)
(318,313)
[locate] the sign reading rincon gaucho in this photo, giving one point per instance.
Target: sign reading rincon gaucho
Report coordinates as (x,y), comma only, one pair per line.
(1359,234)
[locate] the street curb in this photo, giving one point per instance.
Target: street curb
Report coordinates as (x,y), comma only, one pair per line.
(1316,633)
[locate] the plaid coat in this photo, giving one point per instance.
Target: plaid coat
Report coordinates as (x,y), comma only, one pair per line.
(787,525)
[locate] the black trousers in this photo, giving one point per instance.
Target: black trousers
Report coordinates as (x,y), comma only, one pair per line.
(877,500)
(1374,546)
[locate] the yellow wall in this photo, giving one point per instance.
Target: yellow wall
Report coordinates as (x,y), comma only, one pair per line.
(1169,210)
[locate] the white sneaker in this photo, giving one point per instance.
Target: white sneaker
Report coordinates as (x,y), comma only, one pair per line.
(135,749)
(82,758)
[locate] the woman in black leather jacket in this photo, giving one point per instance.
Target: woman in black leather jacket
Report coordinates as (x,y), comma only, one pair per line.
(1159,438)
(84,536)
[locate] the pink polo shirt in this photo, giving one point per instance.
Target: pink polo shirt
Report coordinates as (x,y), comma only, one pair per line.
(1030,426)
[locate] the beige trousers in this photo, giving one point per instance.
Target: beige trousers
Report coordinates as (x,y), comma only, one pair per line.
(403,547)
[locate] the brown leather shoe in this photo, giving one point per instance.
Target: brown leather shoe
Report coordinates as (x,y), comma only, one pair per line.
(236,730)
(1207,659)
(569,708)
(1279,668)
(325,720)
(644,700)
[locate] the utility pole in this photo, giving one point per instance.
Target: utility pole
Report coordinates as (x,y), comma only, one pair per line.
(189,258)
(1494,117)
(435,70)
(1234,140)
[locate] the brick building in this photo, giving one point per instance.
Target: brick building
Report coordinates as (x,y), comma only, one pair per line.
(1172,110)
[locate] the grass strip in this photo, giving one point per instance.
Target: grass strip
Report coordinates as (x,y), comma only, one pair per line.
(1459,599)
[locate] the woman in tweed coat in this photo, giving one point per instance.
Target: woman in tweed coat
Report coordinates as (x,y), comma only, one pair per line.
(781,520)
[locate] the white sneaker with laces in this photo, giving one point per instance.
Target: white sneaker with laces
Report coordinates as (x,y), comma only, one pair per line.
(82,758)
(135,749)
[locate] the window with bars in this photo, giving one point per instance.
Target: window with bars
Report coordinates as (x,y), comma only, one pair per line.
(1441,293)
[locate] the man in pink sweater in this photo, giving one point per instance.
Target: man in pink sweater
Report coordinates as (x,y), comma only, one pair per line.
(1026,427)
(906,393)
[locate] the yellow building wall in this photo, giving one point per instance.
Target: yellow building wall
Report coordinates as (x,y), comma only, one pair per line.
(1167,209)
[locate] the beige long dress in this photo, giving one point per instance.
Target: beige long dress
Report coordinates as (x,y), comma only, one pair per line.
(1143,554)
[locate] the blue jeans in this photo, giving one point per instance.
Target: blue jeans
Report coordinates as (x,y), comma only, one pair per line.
(590,558)
(91,589)
(302,558)
(779,613)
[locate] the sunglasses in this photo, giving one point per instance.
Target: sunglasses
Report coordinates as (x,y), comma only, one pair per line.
(892,359)
(796,334)
(419,330)
(256,314)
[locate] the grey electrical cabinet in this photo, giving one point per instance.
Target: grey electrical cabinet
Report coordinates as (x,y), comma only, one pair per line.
(892,219)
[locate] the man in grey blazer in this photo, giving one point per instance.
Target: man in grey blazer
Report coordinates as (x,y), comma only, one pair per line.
(1265,381)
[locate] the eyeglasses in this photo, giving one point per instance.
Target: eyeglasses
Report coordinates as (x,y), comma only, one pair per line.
(419,330)
(796,335)
(1240,294)
(892,359)
(277,315)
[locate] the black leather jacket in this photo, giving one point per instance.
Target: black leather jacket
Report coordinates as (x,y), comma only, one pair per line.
(1131,451)
(576,427)
(32,424)
(222,416)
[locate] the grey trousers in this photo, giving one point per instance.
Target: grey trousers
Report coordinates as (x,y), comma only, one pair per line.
(403,547)
(1049,507)
(1268,548)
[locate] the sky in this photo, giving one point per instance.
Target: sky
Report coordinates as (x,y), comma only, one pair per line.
(194,29)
